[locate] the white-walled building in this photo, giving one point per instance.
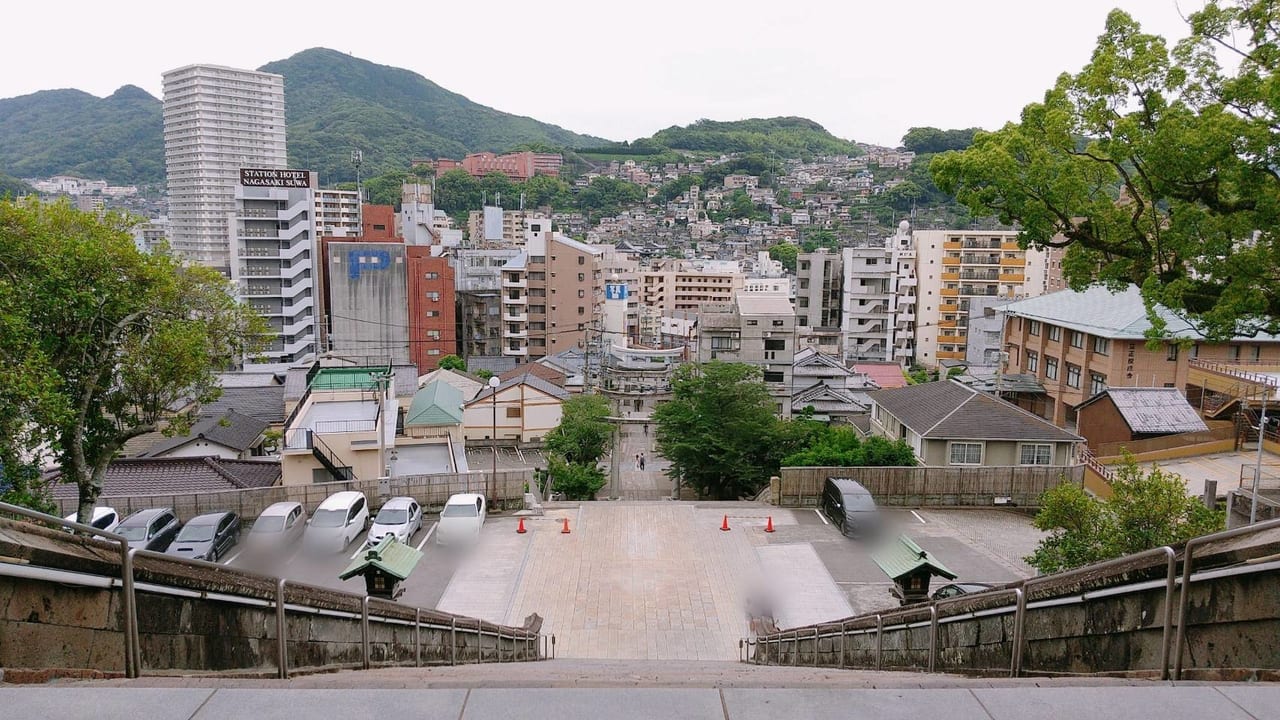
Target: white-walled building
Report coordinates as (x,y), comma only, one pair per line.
(217,120)
(338,213)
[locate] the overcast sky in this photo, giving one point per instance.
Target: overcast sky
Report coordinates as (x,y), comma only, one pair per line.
(866,69)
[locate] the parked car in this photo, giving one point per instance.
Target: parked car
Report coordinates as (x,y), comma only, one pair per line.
(850,506)
(461,519)
(207,537)
(150,529)
(104,518)
(278,526)
(399,516)
(341,518)
(951,590)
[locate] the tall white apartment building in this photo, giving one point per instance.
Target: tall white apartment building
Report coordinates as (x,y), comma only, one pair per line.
(338,213)
(217,120)
(274,261)
(878,299)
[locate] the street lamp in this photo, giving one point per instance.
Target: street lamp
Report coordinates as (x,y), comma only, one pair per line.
(494,382)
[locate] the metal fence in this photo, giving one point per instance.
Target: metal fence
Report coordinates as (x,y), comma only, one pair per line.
(1019,486)
(505,490)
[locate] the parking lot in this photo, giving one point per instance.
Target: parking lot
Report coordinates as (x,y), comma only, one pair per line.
(661,580)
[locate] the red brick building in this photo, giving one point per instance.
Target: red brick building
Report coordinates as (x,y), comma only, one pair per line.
(432,333)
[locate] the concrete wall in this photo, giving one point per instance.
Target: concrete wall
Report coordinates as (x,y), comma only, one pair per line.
(48,624)
(921,486)
(368,299)
(1232,622)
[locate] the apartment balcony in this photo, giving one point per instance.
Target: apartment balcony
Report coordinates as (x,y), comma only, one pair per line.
(903,352)
(951,245)
(951,261)
(516,317)
(1010,245)
(256,214)
(948,307)
(949,292)
(981,259)
(522,300)
(509,282)
(1013,262)
(508,333)
(950,276)
(259,234)
(952,339)
(947,355)
(515,352)
(273,271)
(946,323)
(1012,277)
(909,281)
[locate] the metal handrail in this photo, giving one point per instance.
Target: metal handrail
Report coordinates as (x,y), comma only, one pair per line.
(133,646)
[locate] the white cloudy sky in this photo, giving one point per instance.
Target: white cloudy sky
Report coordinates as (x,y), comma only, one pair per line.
(866,69)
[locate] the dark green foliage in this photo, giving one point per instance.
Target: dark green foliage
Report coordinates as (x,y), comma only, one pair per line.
(24,487)
(785,253)
(584,432)
(337,103)
(933,140)
(843,447)
(12,187)
(820,239)
(451,362)
(607,196)
(782,136)
(54,132)
(1146,510)
(578,481)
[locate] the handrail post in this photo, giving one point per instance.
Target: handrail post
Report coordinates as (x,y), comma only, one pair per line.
(795,658)
(453,641)
(1183,599)
(282,641)
(1165,636)
(933,635)
(479,641)
(129,605)
(1019,618)
(879,639)
(417,637)
(840,662)
(364,631)
(816,661)
(553,646)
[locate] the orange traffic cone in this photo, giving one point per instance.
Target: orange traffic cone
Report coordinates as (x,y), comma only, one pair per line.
(565,530)
(768,527)
(520,528)
(725,525)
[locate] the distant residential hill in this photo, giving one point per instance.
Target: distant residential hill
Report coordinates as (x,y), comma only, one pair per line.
(334,103)
(782,136)
(55,132)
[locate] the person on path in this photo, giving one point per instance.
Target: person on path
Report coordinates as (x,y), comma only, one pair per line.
(642,461)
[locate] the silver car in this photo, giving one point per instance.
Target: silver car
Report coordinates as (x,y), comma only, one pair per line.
(399,516)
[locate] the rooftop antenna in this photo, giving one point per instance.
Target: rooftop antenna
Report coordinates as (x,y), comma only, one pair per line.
(521,202)
(357,159)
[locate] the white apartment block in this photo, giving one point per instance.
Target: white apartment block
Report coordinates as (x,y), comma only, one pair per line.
(273,267)
(956,266)
(665,290)
(878,301)
(818,301)
(217,120)
(338,213)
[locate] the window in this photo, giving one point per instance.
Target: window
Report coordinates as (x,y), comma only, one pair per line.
(1055,333)
(1035,454)
(777,323)
(513,412)
(1073,375)
(538,309)
(431,276)
(1255,353)
(433,334)
(582,293)
(1101,345)
(1077,339)
(774,376)
(1097,383)
(721,342)
(581,277)
(962,453)
(433,313)
(537,276)
(582,260)
(1034,328)
(433,296)
(582,310)
(1033,361)
(752,323)
(1050,368)
(771,344)
(1235,352)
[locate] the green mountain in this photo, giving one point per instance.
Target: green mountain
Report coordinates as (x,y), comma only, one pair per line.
(335,103)
(54,132)
(781,136)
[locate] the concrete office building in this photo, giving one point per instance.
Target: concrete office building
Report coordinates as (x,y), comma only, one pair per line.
(217,120)
(687,289)
(273,267)
(754,329)
(955,266)
(551,295)
(502,227)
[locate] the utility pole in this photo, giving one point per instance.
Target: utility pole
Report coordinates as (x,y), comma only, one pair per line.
(381,381)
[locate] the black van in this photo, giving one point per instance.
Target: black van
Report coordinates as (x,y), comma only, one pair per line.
(850,506)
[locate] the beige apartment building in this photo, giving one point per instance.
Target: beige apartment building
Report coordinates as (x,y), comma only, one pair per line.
(665,290)
(1078,344)
(754,329)
(552,295)
(955,266)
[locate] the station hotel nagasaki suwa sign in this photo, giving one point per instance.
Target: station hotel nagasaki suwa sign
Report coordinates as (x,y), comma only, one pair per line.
(254,177)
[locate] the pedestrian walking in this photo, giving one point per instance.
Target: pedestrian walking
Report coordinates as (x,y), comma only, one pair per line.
(642,461)
(638,461)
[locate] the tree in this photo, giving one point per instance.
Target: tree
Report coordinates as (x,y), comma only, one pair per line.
(576,480)
(452,362)
(584,432)
(842,447)
(786,254)
(820,239)
(23,486)
(1152,167)
(719,431)
(932,140)
(105,339)
(1145,510)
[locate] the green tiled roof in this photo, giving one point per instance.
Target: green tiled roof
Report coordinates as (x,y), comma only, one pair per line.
(904,556)
(439,403)
(347,378)
(390,556)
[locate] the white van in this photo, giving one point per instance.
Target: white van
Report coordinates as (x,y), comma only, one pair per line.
(341,518)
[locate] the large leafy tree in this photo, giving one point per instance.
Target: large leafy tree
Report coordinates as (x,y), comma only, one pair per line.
(1147,509)
(1153,167)
(837,446)
(584,432)
(719,431)
(100,341)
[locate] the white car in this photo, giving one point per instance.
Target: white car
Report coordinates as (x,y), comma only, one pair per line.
(461,519)
(104,518)
(399,516)
(341,518)
(278,527)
